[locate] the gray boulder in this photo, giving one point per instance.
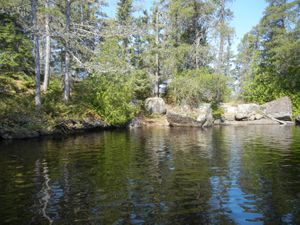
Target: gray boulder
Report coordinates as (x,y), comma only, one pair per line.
(280,109)
(155,105)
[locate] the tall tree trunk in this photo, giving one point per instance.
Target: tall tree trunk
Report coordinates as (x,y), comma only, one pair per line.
(220,65)
(157,60)
(36,39)
(222,38)
(47,48)
(67,54)
(198,38)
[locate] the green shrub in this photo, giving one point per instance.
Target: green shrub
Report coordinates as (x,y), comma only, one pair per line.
(141,84)
(109,95)
(196,86)
(217,111)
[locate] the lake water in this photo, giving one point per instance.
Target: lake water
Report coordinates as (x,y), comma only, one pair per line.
(228,175)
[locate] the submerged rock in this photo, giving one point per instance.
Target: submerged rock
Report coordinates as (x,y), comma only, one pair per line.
(280,109)
(155,105)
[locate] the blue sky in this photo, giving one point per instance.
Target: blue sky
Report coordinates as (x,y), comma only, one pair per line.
(247,14)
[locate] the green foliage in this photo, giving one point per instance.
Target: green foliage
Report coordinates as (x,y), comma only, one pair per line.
(15,55)
(196,86)
(217,111)
(141,84)
(109,95)
(124,11)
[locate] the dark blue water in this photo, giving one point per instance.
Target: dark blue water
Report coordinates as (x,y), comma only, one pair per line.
(228,175)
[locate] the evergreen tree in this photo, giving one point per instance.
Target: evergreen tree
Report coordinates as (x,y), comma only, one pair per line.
(276,68)
(124,11)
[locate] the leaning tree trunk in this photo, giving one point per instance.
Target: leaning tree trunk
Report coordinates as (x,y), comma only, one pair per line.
(67,54)
(47,48)
(36,39)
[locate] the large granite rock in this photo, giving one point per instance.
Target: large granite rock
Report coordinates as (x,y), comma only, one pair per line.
(248,112)
(155,106)
(280,109)
(183,116)
(190,117)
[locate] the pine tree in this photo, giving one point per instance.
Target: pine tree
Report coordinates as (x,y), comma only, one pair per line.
(124,11)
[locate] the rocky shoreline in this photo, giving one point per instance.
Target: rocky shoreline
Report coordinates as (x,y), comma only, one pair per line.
(60,130)
(159,114)
(272,113)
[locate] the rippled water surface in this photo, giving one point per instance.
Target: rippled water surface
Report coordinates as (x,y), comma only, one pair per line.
(228,175)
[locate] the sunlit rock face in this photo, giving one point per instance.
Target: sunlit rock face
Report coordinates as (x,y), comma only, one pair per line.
(155,106)
(280,109)
(248,112)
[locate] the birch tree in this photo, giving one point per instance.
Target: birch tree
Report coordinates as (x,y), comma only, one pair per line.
(36,39)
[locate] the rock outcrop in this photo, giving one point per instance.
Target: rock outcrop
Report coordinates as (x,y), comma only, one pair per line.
(190,117)
(248,112)
(76,126)
(155,105)
(280,109)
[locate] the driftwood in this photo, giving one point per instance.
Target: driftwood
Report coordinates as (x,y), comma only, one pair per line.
(276,120)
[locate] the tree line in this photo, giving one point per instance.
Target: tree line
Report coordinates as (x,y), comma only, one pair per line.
(173,37)
(268,61)
(102,60)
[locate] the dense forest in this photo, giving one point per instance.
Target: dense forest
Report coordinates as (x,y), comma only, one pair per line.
(64,59)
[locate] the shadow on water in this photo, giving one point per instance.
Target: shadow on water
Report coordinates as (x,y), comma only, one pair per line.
(227,175)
